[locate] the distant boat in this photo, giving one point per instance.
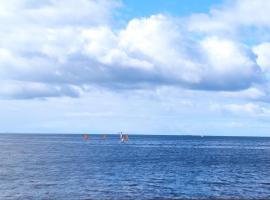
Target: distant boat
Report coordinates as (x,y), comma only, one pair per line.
(123,138)
(104,137)
(85,136)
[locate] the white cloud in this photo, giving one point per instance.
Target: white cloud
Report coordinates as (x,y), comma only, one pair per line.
(74,45)
(228,18)
(160,46)
(263,56)
(57,12)
(103,45)
(252,93)
(230,64)
(90,114)
(246,109)
(28,90)
(161,40)
(40,43)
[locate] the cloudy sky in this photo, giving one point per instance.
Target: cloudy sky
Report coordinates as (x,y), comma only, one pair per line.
(144,67)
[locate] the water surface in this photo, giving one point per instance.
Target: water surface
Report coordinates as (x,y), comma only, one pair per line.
(146,167)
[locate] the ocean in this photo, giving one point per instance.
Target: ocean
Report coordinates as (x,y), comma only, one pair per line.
(35,166)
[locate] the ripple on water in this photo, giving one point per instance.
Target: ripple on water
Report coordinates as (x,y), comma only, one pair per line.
(147,167)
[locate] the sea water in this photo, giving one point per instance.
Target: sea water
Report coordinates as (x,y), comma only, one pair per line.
(34,166)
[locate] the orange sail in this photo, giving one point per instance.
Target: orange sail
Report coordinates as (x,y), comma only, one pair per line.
(85,136)
(123,138)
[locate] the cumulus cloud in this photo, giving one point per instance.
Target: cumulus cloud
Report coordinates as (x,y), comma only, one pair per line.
(28,90)
(263,56)
(57,12)
(160,47)
(41,44)
(231,17)
(62,47)
(252,93)
(245,109)
(230,64)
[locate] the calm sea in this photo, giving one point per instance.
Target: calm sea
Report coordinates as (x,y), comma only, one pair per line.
(146,167)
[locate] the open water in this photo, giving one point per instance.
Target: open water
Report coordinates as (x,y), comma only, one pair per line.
(146,167)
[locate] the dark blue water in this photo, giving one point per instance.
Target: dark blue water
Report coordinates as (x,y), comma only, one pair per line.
(147,167)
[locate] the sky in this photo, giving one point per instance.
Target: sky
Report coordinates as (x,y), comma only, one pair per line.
(186,67)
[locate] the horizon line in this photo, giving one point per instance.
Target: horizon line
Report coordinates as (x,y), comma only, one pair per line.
(135,134)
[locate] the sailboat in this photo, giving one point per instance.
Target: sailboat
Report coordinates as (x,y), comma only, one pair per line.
(85,136)
(123,138)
